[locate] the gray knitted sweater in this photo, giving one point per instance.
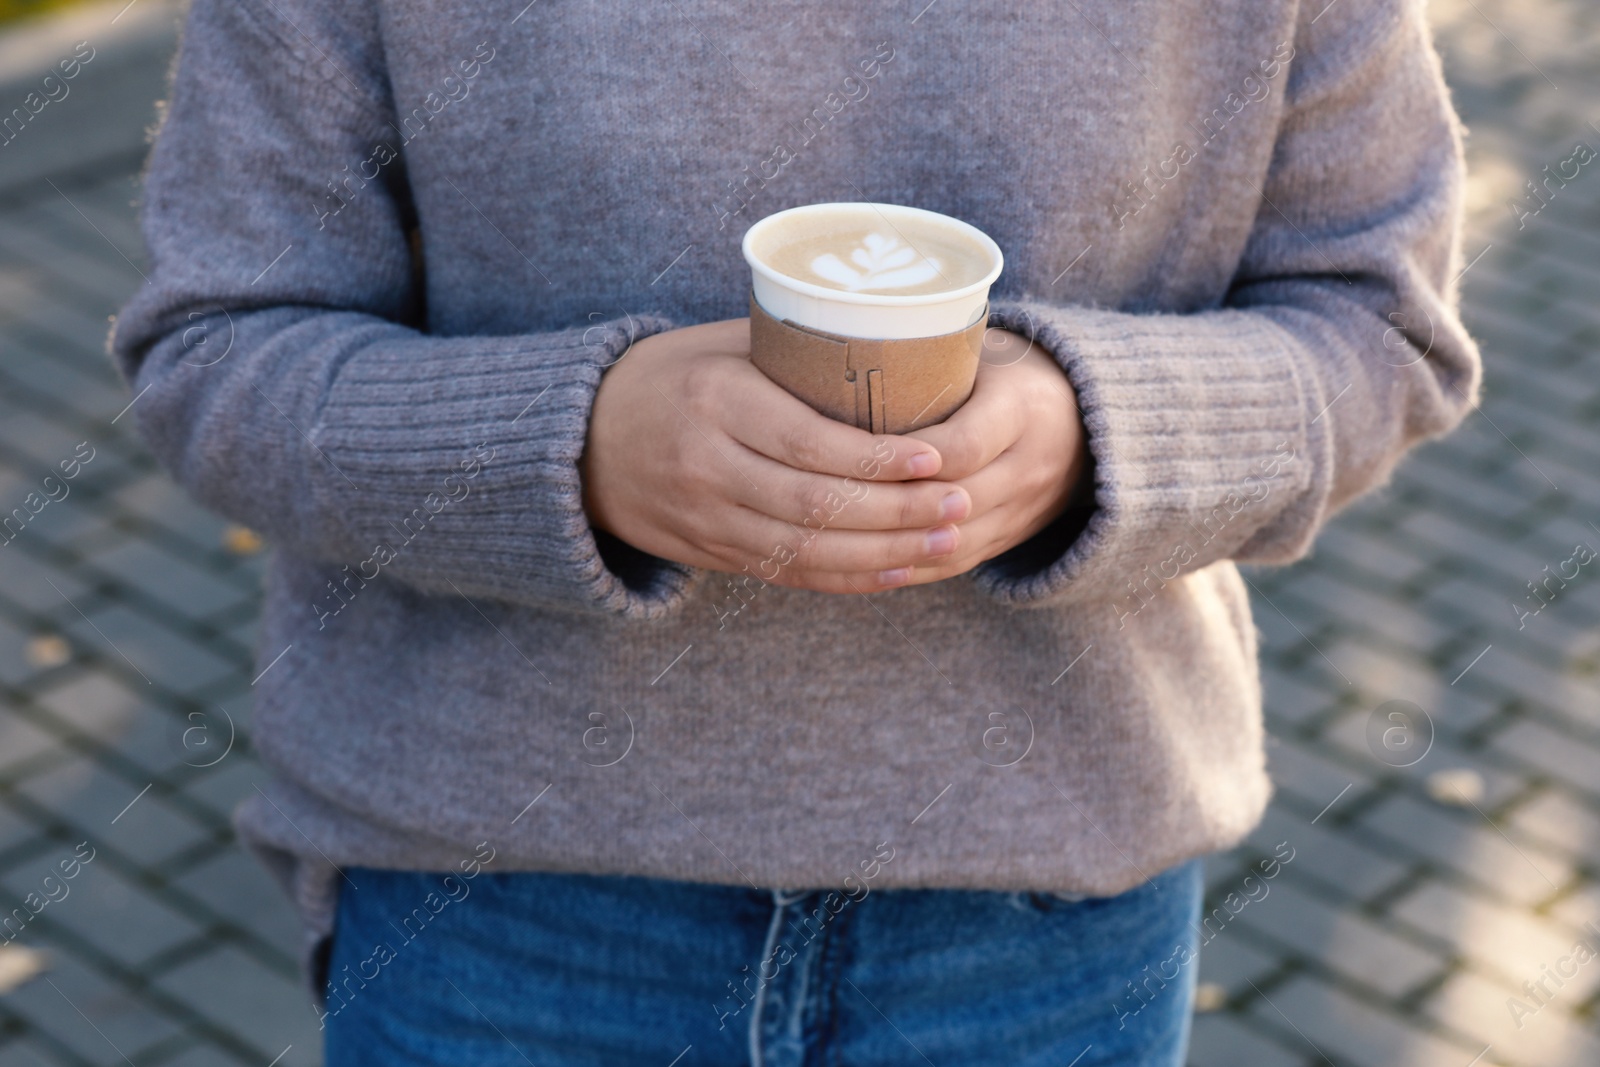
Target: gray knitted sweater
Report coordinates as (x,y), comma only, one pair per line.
(395,246)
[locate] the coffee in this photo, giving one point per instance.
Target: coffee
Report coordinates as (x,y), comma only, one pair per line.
(881,259)
(872,271)
(874,314)
(863,251)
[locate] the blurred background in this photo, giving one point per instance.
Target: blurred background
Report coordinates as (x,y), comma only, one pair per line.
(1435,718)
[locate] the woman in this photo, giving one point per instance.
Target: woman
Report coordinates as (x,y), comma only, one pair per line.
(586,747)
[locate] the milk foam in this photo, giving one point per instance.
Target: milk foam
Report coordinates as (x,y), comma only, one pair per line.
(879,263)
(876,271)
(908,257)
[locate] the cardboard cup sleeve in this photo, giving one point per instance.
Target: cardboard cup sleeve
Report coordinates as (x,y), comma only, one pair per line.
(879,386)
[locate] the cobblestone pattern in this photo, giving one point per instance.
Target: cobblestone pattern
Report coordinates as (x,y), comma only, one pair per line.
(126,625)
(1404,925)
(1416,904)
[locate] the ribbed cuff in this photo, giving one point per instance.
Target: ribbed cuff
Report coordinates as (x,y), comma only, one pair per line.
(463,454)
(1197,426)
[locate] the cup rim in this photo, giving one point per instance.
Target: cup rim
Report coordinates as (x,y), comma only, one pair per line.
(844,296)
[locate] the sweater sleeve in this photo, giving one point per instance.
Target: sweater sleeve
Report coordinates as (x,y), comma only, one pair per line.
(277,358)
(1234,433)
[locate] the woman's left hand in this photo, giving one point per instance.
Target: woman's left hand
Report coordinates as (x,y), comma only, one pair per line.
(1017,446)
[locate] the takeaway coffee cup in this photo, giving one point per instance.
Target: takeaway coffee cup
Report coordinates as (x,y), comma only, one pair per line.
(872,313)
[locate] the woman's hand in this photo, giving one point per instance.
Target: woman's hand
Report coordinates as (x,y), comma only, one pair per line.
(1016,446)
(694,455)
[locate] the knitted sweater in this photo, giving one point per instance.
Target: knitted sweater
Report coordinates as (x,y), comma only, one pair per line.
(396,245)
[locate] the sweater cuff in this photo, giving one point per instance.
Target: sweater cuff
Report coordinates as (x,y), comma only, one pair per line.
(1197,429)
(465,463)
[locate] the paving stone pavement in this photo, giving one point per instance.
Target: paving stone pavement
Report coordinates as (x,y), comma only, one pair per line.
(1406,908)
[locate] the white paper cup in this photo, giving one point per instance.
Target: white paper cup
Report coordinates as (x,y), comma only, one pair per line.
(869,315)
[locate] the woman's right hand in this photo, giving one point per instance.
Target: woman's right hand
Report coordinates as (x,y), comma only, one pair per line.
(696,456)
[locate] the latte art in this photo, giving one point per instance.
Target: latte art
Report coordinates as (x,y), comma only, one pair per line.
(859,252)
(878,262)
(872,271)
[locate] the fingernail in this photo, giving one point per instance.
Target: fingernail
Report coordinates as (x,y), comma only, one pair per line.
(923,464)
(953,506)
(941,542)
(898,576)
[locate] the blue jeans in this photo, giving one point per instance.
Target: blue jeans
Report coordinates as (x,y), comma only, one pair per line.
(565,970)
